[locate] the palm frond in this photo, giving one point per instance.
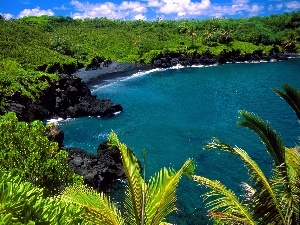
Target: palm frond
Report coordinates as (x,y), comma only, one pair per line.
(99,208)
(134,195)
(293,165)
(292,96)
(266,205)
(281,180)
(161,195)
(267,134)
(224,204)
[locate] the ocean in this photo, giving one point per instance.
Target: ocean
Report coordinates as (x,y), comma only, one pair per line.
(173,113)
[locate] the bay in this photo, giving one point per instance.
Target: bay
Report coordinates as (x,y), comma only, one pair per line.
(173,113)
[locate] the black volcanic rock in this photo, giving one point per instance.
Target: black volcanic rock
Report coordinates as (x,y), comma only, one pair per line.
(99,170)
(66,97)
(207,58)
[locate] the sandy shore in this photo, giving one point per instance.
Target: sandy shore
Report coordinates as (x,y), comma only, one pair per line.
(104,75)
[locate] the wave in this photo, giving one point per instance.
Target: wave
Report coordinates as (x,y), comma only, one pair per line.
(176,67)
(58,120)
(122,79)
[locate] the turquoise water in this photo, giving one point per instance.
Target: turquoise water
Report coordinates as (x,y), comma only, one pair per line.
(173,113)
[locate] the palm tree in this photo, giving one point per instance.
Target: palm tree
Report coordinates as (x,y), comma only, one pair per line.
(191,32)
(145,203)
(292,96)
(269,201)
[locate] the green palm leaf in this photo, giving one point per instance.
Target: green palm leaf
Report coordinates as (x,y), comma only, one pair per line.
(161,194)
(293,202)
(281,179)
(266,206)
(291,96)
(99,208)
(224,204)
(272,141)
(134,195)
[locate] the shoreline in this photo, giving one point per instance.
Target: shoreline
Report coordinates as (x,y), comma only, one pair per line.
(117,70)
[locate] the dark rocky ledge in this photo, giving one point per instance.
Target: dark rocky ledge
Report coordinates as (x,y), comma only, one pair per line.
(67,97)
(100,170)
(207,58)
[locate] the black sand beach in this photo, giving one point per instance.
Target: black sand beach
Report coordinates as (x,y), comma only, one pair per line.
(114,71)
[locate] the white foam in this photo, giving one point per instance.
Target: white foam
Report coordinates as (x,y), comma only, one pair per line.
(135,75)
(58,120)
(55,121)
(201,66)
(141,73)
(117,113)
(177,67)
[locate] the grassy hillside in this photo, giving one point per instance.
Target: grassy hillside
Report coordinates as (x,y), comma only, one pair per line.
(58,44)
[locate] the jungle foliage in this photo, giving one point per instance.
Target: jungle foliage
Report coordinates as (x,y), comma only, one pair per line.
(22,202)
(50,43)
(56,44)
(26,151)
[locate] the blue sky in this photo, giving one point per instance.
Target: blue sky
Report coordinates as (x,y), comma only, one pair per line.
(147,9)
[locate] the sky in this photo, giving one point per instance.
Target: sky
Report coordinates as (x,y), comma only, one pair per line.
(147,9)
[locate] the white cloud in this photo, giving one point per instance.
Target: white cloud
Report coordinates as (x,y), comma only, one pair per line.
(279,6)
(182,7)
(293,5)
(177,9)
(35,12)
(62,7)
(7,16)
(240,2)
(126,10)
(140,17)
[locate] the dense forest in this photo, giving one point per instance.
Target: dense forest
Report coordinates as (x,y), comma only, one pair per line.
(32,47)
(37,50)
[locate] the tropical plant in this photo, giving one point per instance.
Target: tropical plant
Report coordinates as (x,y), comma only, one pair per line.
(145,203)
(25,149)
(292,96)
(23,203)
(268,201)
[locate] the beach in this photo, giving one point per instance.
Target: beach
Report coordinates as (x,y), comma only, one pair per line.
(104,75)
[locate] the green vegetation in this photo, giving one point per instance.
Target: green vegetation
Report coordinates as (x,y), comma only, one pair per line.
(267,201)
(26,151)
(23,203)
(51,43)
(14,78)
(34,50)
(56,44)
(145,203)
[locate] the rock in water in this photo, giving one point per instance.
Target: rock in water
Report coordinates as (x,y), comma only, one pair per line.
(67,97)
(99,170)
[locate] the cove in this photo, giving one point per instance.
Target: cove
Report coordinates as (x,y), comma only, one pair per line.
(173,113)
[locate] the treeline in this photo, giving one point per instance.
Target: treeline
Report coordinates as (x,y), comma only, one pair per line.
(56,44)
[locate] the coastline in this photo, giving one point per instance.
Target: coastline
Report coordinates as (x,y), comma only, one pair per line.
(115,70)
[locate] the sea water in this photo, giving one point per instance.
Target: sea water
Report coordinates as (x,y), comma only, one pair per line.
(173,113)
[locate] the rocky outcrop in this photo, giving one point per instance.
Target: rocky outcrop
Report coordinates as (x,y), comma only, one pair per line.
(54,133)
(99,170)
(207,58)
(66,97)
